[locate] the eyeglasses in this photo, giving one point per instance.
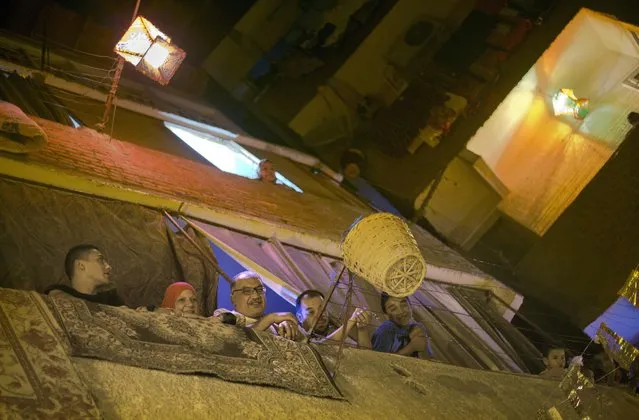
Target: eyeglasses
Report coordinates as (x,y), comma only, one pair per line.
(248,291)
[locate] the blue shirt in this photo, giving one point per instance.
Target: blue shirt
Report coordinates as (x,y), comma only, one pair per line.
(391,338)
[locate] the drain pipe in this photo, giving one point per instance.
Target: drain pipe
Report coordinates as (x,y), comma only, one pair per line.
(60,83)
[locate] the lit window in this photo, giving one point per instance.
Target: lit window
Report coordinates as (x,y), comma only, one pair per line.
(226,155)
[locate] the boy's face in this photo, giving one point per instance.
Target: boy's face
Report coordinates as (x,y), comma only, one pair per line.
(398,311)
(556,359)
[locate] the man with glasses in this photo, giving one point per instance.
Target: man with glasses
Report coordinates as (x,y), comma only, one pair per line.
(248,296)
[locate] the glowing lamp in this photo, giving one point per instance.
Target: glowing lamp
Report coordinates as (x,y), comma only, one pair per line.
(566,103)
(150,51)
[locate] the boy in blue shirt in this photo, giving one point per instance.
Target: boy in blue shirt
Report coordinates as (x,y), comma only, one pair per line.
(400,333)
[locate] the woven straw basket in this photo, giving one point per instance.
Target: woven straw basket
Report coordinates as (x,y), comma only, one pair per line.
(381,249)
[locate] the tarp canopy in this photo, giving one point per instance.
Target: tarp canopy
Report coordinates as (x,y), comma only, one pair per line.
(39,225)
(476,339)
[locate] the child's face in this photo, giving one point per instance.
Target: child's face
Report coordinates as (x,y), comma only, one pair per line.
(398,311)
(556,359)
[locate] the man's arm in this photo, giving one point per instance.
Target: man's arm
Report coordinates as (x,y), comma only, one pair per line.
(409,348)
(338,333)
(419,331)
(362,321)
(419,343)
(287,324)
(359,319)
(288,329)
(263,323)
(363,336)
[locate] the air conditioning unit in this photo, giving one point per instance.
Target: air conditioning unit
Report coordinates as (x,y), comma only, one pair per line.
(419,35)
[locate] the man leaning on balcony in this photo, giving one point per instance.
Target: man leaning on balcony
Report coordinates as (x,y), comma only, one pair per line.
(89,273)
(308,308)
(248,295)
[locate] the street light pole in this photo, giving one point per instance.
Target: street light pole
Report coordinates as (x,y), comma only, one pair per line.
(116,80)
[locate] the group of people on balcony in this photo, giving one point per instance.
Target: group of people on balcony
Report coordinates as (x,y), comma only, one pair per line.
(88,271)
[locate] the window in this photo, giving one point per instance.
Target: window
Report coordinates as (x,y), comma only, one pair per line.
(226,155)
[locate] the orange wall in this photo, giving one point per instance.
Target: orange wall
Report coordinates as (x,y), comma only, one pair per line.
(546,165)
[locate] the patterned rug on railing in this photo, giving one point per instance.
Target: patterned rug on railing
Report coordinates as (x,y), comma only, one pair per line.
(186,345)
(37,378)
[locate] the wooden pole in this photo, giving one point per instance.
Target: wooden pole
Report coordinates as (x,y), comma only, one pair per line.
(198,247)
(349,295)
(116,81)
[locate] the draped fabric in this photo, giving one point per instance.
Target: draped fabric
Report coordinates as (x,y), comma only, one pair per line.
(19,133)
(37,378)
(187,345)
(39,225)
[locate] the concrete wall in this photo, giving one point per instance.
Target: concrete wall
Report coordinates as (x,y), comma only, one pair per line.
(464,204)
(586,256)
(152,134)
(255,34)
(375,386)
(546,160)
(367,70)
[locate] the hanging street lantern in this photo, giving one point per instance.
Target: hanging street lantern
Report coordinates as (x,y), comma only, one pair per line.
(566,103)
(150,51)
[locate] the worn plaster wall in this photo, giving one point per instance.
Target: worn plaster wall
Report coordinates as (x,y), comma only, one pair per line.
(131,127)
(375,385)
(406,177)
(372,55)
(84,152)
(546,160)
(586,256)
(151,133)
(464,204)
(255,33)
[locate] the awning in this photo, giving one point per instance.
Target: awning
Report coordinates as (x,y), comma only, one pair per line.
(456,336)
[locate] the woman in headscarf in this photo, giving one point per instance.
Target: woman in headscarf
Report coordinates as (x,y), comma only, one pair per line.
(181,298)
